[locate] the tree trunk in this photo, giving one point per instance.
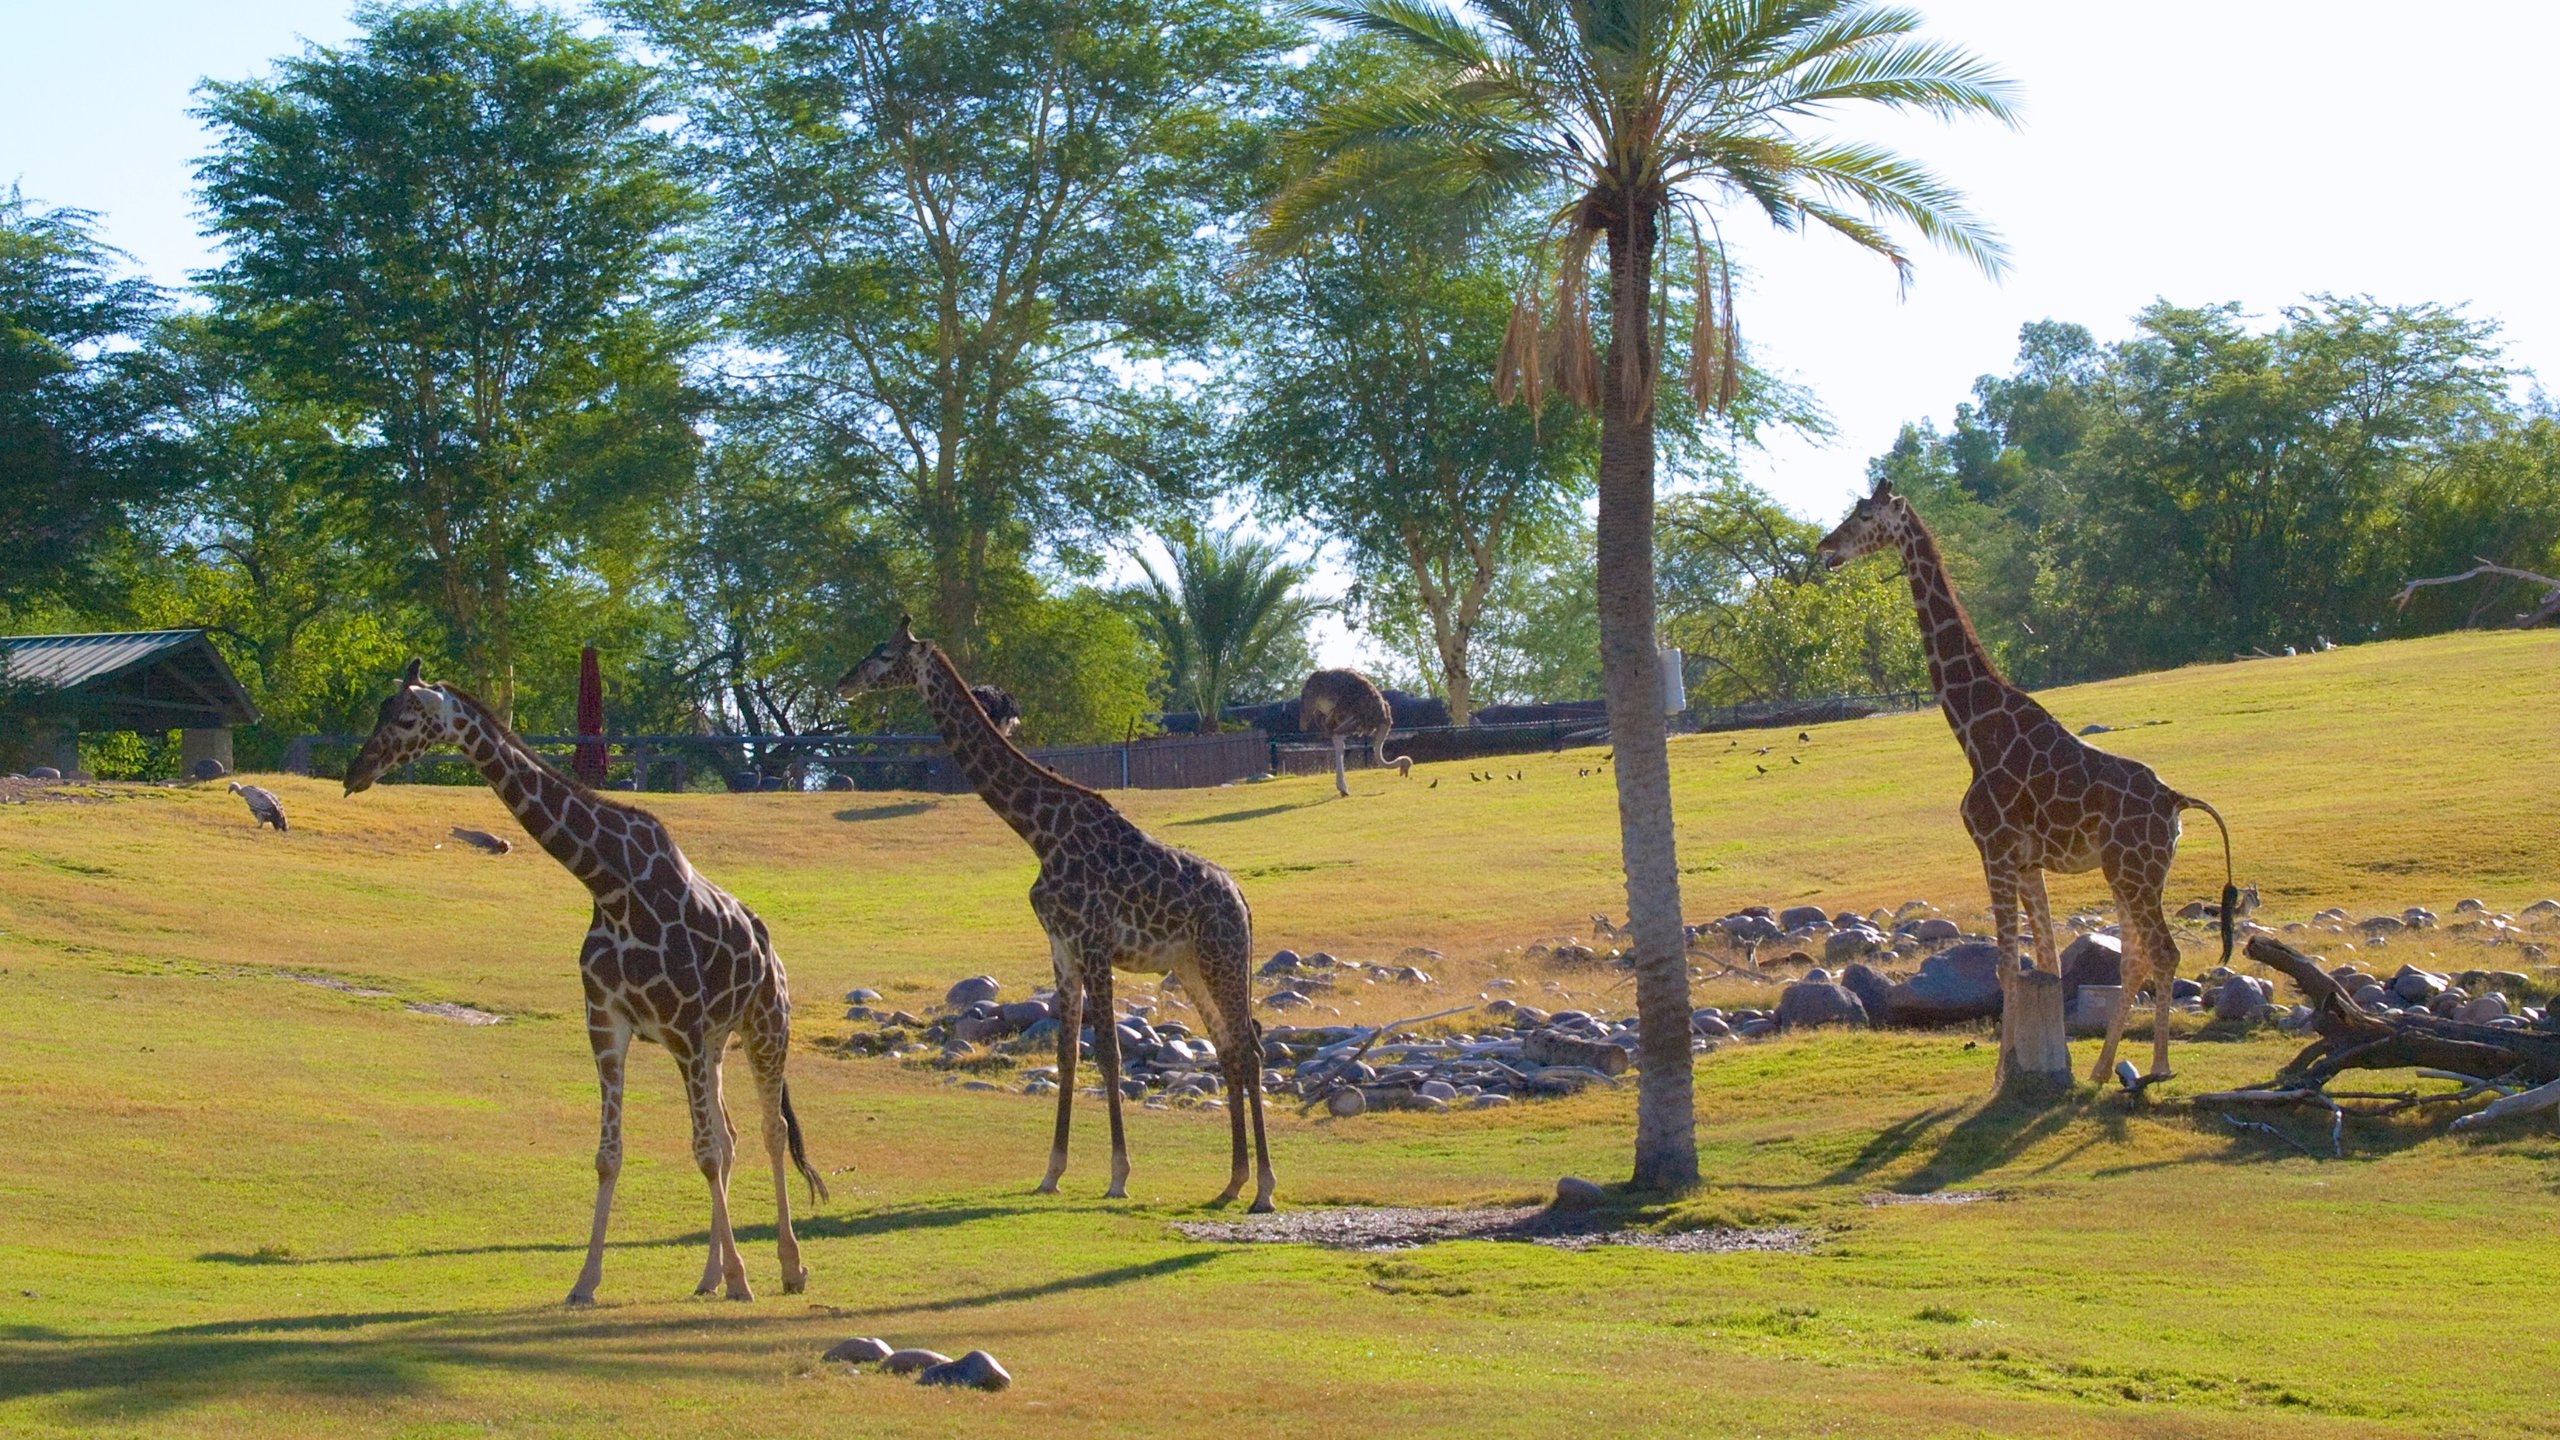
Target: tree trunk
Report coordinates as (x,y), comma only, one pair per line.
(2035,1050)
(1631,676)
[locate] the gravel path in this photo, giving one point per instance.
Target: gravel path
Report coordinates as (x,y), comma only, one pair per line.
(1366,1228)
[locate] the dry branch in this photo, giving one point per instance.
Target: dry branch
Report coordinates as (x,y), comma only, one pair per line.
(2545,609)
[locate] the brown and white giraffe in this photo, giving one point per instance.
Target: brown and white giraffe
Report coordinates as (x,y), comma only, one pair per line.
(669,957)
(1109,895)
(1343,705)
(2041,799)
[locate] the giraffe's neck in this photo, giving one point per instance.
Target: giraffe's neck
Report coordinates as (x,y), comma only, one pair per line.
(1038,805)
(1958,665)
(555,812)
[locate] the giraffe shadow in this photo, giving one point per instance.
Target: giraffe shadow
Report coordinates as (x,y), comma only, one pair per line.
(1891,1144)
(898,811)
(1992,1136)
(811,1227)
(1094,1280)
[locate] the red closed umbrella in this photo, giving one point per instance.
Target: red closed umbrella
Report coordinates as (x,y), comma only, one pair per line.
(590,764)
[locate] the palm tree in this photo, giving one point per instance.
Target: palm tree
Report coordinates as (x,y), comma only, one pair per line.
(1636,112)
(1232,612)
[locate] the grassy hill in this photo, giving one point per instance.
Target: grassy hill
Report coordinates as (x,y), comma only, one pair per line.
(239,1199)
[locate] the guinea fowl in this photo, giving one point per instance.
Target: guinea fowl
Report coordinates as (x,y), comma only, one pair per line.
(262,804)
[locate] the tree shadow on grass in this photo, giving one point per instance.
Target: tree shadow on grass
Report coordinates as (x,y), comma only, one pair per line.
(1891,1144)
(1992,1136)
(898,811)
(1230,817)
(1097,1280)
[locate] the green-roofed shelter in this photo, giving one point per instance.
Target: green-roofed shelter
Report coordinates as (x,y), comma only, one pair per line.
(153,681)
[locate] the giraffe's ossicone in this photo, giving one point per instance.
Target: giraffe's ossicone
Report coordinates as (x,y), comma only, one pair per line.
(1110,897)
(668,957)
(2041,798)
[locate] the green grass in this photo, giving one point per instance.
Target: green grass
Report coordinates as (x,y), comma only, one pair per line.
(236,1203)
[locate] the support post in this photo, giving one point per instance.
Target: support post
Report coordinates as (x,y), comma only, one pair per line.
(2035,1051)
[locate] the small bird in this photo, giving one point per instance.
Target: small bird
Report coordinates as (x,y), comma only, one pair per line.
(1805,735)
(1434,785)
(1519,774)
(262,803)
(483,840)
(1763,769)
(1608,755)
(1795,759)
(1763,750)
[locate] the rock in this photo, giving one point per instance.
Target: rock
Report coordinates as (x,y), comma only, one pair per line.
(860,1351)
(1488,1100)
(1347,1102)
(1851,944)
(44,772)
(1799,915)
(2183,988)
(1023,1014)
(2418,917)
(860,996)
(2371,995)
(976,1370)
(1711,1026)
(1956,986)
(981,1029)
(970,991)
(1750,929)
(1285,1000)
(1935,930)
(2096,959)
(2381,924)
(905,1362)
(1282,962)
(2471,907)
(2238,999)
(2093,1008)
(1807,1004)
(2414,985)
(2492,1006)
(2539,909)
(1575,1193)
(1436,1090)
(209,768)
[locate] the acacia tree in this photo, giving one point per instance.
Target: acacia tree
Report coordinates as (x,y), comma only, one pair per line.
(1644,113)
(960,232)
(455,229)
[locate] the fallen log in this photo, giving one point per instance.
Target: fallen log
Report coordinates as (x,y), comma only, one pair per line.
(2540,1097)
(1547,1048)
(2354,1038)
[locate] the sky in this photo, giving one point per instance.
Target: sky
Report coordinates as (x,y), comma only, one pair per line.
(2240,150)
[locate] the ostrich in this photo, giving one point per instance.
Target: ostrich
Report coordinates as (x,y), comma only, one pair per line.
(262,803)
(1000,708)
(1341,704)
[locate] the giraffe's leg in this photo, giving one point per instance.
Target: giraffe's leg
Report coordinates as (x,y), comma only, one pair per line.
(1070,1005)
(2163,946)
(2039,918)
(1341,786)
(612,1041)
(713,1150)
(768,1050)
(2002,879)
(2135,960)
(1228,969)
(1106,1056)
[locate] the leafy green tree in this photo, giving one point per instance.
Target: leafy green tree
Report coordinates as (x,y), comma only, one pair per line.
(1643,113)
(81,400)
(1230,620)
(971,237)
(1536,635)
(456,229)
(1747,602)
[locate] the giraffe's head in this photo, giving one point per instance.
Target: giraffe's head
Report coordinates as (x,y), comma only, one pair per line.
(1869,528)
(895,665)
(418,717)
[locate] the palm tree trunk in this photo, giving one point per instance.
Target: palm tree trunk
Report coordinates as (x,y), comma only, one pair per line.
(1631,678)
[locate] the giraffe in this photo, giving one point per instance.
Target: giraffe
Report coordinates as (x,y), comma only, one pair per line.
(2041,799)
(1109,895)
(668,957)
(1341,704)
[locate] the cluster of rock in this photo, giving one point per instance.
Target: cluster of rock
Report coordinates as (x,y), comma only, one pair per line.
(1302,979)
(976,1370)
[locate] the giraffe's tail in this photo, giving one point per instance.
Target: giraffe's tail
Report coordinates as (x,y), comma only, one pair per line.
(2230,878)
(799,1154)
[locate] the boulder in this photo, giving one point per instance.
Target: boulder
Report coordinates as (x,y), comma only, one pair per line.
(1285,1000)
(2372,996)
(907,1362)
(1750,929)
(1956,986)
(47,772)
(2238,999)
(2418,917)
(976,1370)
(2095,959)
(970,991)
(1575,1193)
(859,1351)
(2416,986)
(1023,1014)
(1347,1102)
(2183,988)
(2093,1008)
(209,768)
(2539,909)
(2471,907)
(2381,924)
(2492,1006)
(1935,930)
(1855,943)
(1799,915)
(1807,1004)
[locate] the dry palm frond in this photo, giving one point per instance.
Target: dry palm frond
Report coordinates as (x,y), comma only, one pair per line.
(1570,361)
(1715,360)
(1517,373)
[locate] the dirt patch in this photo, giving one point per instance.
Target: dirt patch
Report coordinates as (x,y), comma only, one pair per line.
(458,1014)
(16,790)
(1935,1197)
(1366,1228)
(440,1009)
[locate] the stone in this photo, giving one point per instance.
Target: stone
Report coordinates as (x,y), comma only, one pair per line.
(1795,916)
(970,991)
(1488,1100)
(2371,996)
(1347,1102)
(2492,1006)
(2415,985)
(2095,959)
(1285,1000)
(2093,1008)
(1023,1014)
(2381,924)
(1750,929)
(1436,1090)
(2471,907)
(1956,986)
(209,768)
(44,772)
(1851,944)
(860,996)
(2183,988)
(859,1351)
(907,1362)
(1807,1004)
(1711,1026)
(1575,1193)
(2238,999)
(2418,917)
(1282,962)
(976,1370)
(2539,909)
(1935,930)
